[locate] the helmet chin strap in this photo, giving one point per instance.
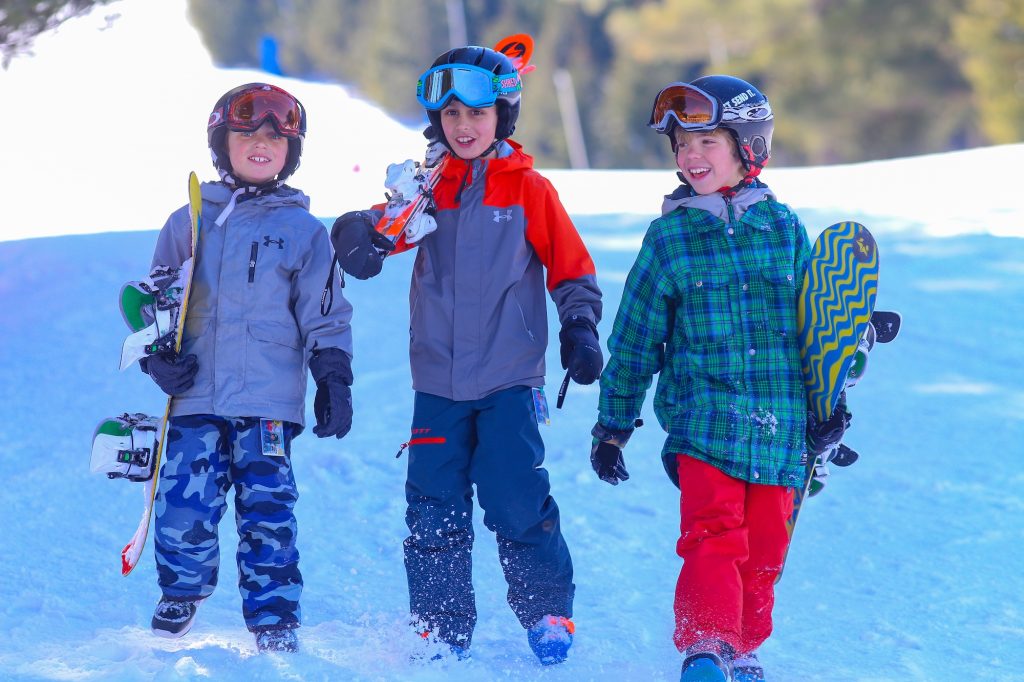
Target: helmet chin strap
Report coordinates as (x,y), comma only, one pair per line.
(749,179)
(493,146)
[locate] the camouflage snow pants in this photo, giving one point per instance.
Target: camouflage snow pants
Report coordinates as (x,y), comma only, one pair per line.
(206,455)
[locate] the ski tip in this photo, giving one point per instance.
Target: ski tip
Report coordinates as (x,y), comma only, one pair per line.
(519,49)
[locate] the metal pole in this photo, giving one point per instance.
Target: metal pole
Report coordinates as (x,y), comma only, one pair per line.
(457,34)
(571,119)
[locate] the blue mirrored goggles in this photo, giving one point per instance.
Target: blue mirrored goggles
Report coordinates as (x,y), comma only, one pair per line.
(471,85)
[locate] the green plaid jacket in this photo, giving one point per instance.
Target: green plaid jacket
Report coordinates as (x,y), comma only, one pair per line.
(710,306)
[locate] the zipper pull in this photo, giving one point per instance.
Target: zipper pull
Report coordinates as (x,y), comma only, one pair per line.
(252,261)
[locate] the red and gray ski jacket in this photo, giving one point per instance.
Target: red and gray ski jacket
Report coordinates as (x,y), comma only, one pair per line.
(477,304)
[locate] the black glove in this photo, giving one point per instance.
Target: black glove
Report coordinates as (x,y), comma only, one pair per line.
(823,435)
(606,458)
(606,454)
(174,375)
(358,245)
(332,406)
(581,351)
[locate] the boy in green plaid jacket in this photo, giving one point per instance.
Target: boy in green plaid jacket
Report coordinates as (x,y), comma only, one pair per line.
(710,306)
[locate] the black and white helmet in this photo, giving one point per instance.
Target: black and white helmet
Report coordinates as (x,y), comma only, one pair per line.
(711,102)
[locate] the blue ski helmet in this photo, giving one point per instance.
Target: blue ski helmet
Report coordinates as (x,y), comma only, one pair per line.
(507,102)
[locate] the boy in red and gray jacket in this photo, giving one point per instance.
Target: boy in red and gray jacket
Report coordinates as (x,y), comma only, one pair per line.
(478,335)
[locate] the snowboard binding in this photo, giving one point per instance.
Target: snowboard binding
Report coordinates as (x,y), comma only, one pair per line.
(151,308)
(124,446)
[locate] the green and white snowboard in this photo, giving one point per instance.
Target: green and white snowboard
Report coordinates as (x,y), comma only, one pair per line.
(131,446)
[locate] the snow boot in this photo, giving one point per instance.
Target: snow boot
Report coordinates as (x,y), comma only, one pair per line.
(173,617)
(277,640)
(434,648)
(551,638)
(707,661)
(746,668)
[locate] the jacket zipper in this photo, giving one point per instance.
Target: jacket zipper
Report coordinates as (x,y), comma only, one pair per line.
(252,261)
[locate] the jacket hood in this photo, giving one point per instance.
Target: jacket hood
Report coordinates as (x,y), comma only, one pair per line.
(715,203)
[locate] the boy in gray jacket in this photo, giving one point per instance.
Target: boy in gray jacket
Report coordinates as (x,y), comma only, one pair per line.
(478,333)
(254,324)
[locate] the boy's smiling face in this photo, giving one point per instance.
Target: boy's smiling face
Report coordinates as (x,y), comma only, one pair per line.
(257,157)
(469,130)
(708,160)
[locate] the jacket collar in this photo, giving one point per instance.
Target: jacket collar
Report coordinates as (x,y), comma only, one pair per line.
(715,203)
(510,157)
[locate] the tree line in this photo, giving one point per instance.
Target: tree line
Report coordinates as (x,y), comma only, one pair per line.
(849,80)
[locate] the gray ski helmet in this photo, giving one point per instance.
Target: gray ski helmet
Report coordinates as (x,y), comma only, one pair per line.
(494,61)
(744,112)
(220,122)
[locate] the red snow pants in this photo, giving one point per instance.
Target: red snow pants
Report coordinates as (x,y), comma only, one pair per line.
(732,542)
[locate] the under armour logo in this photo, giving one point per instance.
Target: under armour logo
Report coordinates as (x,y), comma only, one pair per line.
(507,216)
(267,241)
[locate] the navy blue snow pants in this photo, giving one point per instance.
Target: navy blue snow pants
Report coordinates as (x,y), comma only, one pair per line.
(494,443)
(207,455)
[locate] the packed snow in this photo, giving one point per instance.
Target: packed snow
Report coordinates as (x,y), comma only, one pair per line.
(908,566)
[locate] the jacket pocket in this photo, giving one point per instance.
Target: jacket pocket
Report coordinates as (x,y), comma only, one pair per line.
(197,340)
(707,307)
(776,296)
(273,361)
(522,315)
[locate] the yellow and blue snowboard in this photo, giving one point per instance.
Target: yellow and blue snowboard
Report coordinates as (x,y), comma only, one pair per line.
(833,316)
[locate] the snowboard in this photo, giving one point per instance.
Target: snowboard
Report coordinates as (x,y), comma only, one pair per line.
(131,446)
(841,454)
(410,184)
(833,317)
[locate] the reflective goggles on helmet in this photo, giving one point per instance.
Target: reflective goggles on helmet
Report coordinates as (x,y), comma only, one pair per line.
(690,107)
(247,111)
(471,85)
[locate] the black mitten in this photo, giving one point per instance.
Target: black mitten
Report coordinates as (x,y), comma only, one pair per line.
(581,350)
(332,371)
(358,245)
(174,375)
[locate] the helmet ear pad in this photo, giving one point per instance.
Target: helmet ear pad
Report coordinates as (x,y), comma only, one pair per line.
(218,143)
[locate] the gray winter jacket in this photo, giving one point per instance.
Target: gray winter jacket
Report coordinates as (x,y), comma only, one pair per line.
(478,299)
(254,312)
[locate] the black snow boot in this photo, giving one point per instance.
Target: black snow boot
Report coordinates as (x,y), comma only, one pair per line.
(173,617)
(277,640)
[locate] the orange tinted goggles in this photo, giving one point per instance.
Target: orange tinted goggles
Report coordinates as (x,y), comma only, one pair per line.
(690,107)
(248,110)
